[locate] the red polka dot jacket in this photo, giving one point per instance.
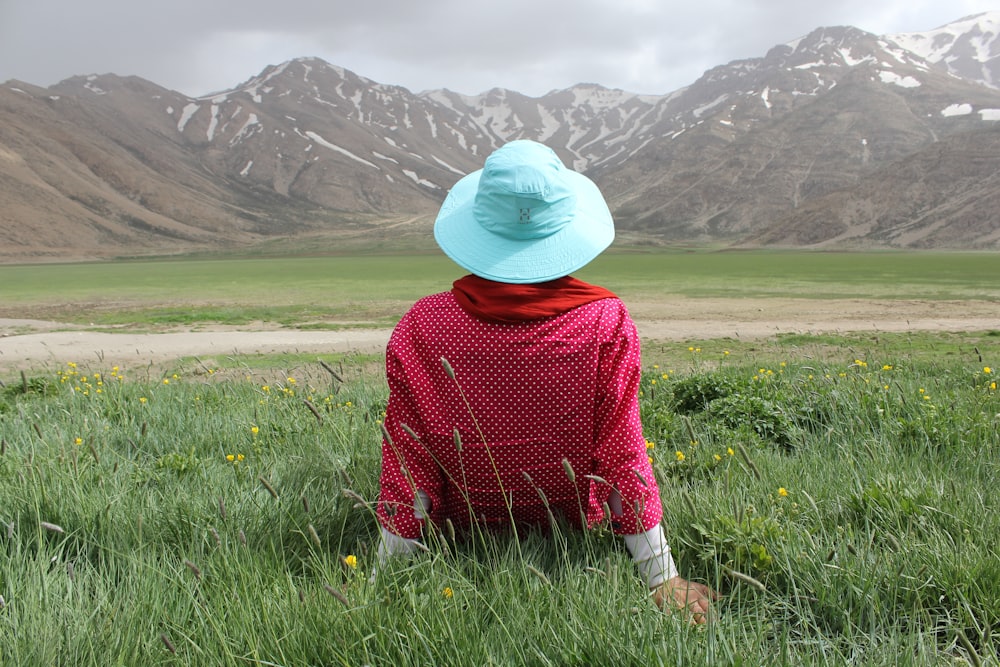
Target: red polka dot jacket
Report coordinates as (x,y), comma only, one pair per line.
(501,421)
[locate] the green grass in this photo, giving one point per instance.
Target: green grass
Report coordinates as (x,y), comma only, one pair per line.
(376,289)
(883,551)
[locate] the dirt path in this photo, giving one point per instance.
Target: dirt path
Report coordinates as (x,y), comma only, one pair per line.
(26,344)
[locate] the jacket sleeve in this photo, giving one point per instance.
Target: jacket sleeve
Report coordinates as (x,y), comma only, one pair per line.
(406,464)
(621,460)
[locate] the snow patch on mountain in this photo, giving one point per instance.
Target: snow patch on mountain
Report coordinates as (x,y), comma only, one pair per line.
(343,151)
(957,110)
(187,113)
(901,81)
(412,175)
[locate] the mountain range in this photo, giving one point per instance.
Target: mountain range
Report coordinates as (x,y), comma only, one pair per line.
(838,139)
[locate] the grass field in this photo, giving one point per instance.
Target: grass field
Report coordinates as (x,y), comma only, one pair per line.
(378,289)
(839,490)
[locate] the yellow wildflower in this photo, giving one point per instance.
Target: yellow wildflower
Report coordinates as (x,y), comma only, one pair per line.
(351,561)
(987,370)
(679,455)
(447,592)
(729,450)
(254,430)
(782,491)
(78,441)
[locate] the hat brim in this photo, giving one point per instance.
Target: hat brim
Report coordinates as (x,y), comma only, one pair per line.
(506,260)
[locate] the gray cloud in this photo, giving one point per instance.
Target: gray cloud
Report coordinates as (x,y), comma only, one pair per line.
(645,46)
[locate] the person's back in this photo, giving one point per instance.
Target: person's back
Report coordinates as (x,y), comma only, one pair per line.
(528,398)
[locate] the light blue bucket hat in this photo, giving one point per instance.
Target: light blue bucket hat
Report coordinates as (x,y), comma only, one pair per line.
(524,217)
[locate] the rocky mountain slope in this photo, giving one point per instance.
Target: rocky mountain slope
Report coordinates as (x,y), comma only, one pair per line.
(838,139)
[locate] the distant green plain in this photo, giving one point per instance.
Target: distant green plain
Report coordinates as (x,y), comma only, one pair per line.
(374,290)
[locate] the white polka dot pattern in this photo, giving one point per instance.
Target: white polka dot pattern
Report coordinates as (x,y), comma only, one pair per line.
(546,415)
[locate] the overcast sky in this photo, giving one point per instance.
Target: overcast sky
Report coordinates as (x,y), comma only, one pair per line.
(469,46)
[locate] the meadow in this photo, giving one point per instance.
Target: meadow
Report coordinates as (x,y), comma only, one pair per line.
(838,490)
(375,290)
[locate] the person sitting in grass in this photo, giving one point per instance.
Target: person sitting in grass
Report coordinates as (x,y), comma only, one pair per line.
(513,397)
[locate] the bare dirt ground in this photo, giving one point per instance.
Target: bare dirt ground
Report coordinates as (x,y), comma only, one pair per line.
(27,344)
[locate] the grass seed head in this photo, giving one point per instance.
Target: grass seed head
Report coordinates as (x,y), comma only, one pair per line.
(337,594)
(568,467)
(314,535)
(538,573)
(745,578)
(267,485)
(447,368)
(348,493)
(51,527)
(410,432)
(194,569)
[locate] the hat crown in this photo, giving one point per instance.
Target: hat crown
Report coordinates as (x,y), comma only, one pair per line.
(523,192)
(524,217)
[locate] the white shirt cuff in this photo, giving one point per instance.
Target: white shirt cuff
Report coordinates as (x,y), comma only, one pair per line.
(651,554)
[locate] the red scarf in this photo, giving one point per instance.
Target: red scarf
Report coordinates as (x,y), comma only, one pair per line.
(508,303)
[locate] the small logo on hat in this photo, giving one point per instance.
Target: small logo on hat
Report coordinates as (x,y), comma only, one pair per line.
(525,218)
